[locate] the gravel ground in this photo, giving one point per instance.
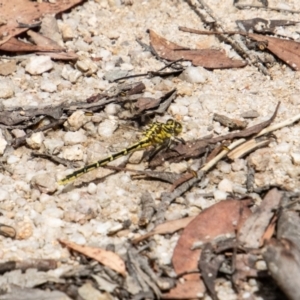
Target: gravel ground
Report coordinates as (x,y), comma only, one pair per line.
(86,214)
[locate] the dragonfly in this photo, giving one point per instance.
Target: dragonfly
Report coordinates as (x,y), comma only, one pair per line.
(158,134)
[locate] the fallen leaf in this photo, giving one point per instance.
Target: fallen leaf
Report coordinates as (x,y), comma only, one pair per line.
(207,58)
(26,11)
(166,228)
(107,258)
(220,219)
(286,50)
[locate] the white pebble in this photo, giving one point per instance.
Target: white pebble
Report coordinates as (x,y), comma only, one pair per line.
(219,195)
(261,265)
(76,137)
(78,238)
(4,195)
(87,66)
(53,146)
(238,165)
(35,140)
(67,32)
(112,109)
(70,74)
(194,75)
(39,64)
(224,167)
(3,143)
(74,196)
(178,167)
(126,66)
(6,89)
(296,158)
(12,159)
(92,188)
(225,185)
(76,120)
(107,128)
(18,132)
(136,157)
(48,86)
(52,222)
(74,152)
(283,147)
(177,109)
(45,183)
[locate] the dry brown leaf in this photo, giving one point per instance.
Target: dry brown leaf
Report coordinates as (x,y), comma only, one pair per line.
(43,41)
(220,219)
(167,227)
(286,50)
(107,258)
(25,11)
(207,58)
(269,231)
(15,45)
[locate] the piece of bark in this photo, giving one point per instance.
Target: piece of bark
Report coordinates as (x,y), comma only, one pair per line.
(253,229)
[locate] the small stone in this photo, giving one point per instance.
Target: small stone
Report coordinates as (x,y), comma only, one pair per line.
(8,68)
(74,137)
(136,157)
(38,65)
(6,89)
(178,167)
(3,143)
(76,120)
(4,195)
(88,292)
(224,167)
(90,128)
(12,159)
(53,146)
(67,32)
(112,109)
(73,152)
(259,159)
(219,195)
(126,67)
(18,132)
(250,114)
(283,147)
(111,75)
(107,128)
(45,183)
(87,66)
(261,265)
(24,229)
(177,109)
(295,158)
(194,75)
(225,185)
(92,188)
(35,141)
(48,86)
(70,74)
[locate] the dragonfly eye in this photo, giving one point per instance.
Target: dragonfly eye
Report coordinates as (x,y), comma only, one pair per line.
(178,128)
(170,122)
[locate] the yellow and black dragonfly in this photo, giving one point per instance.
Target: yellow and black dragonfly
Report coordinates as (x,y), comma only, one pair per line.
(157,134)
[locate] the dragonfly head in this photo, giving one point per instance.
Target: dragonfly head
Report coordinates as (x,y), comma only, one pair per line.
(175,126)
